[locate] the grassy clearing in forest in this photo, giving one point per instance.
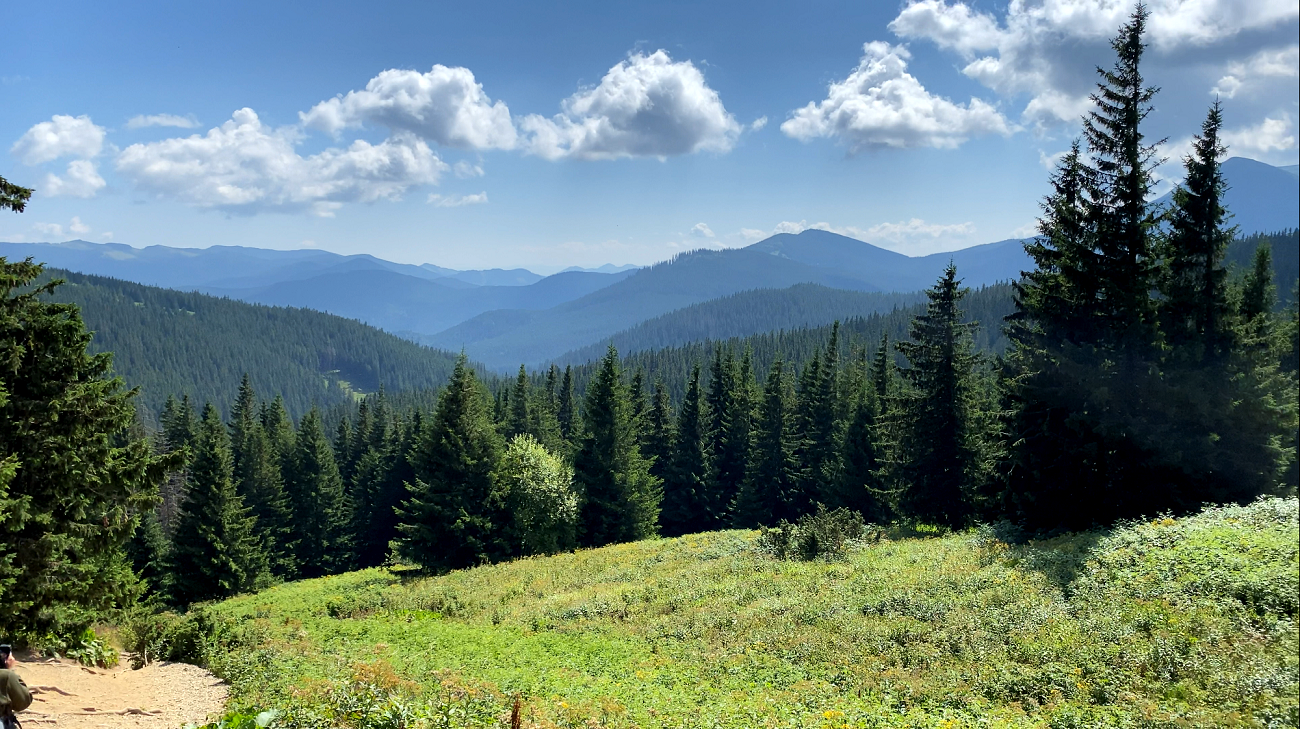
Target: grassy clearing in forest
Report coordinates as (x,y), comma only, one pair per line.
(1187,622)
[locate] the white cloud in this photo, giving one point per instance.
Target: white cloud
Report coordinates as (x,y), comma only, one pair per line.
(1270,63)
(161,120)
(1046,48)
(465,170)
(701,230)
(78,227)
(1270,135)
(446,106)
(50,229)
(245,166)
(81,180)
(645,106)
(880,104)
(758,124)
(61,136)
(456,201)
(753,234)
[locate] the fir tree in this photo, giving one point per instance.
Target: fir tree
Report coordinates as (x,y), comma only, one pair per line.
(519,421)
(566,411)
(1194,311)
(214,553)
(686,498)
(318,511)
(771,487)
(621,500)
(259,481)
(147,551)
(940,468)
(1258,292)
(659,434)
(75,472)
(455,515)
(727,436)
(180,427)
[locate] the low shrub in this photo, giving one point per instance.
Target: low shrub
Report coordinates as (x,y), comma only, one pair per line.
(820,535)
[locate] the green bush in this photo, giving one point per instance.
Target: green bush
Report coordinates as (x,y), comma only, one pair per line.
(821,535)
(192,638)
(540,492)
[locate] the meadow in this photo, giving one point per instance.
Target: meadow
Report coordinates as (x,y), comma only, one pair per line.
(1168,622)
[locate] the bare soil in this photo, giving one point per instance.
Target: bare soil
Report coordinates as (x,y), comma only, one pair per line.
(67,695)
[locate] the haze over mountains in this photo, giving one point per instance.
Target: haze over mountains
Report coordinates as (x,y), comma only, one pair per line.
(502,317)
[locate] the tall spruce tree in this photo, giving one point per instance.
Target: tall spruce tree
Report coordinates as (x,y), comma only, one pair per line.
(319,512)
(727,435)
(621,499)
(659,434)
(214,553)
(455,515)
(687,507)
(180,427)
(771,489)
(939,469)
(566,412)
(520,421)
(76,475)
(259,480)
(858,485)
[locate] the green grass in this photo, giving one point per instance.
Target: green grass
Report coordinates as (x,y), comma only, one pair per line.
(1189,622)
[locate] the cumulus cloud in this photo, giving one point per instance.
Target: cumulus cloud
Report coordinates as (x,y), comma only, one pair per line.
(456,201)
(465,170)
(1035,47)
(141,121)
(245,166)
(1270,63)
(758,124)
(50,229)
(445,106)
(78,227)
(881,104)
(701,230)
(1270,135)
(61,136)
(81,180)
(646,106)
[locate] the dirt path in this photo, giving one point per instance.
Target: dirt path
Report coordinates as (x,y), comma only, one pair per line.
(158,696)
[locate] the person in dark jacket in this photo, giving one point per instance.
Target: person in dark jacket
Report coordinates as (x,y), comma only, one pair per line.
(14,695)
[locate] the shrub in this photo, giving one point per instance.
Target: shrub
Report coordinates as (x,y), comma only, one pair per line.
(539,488)
(823,534)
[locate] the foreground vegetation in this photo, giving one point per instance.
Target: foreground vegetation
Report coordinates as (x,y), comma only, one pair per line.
(1187,622)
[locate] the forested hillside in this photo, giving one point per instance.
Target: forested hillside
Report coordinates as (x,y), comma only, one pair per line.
(174,343)
(746,313)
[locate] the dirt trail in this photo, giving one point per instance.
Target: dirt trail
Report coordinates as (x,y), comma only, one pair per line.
(158,696)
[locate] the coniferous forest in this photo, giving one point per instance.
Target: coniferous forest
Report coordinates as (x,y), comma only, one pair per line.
(1145,367)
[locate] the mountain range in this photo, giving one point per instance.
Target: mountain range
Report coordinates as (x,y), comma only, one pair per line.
(503,317)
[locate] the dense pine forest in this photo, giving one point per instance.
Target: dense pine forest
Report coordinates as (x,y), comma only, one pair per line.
(172,342)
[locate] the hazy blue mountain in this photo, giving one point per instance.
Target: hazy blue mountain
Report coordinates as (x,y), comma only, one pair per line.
(498,277)
(1293,169)
(411,306)
(607,268)
(1261,197)
(744,314)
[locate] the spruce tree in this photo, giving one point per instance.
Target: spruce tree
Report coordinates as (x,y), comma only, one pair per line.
(380,489)
(259,479)
(520,421)
(148,552)
(939,470)
(76,473)
(727,436)
(771,489)
(180,426)
(1195,307)
(455,515)
(318,511)
(687,507)
(659,435)
(566,411)
(621,499)
(214,553)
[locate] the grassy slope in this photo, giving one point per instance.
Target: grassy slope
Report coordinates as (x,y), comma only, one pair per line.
(1168,623)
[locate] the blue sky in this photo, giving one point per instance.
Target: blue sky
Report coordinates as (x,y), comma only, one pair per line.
(501,134)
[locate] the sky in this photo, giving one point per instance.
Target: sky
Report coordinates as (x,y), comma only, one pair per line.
(501,134)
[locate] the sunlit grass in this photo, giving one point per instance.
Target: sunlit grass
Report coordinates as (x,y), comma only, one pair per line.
(1186,622)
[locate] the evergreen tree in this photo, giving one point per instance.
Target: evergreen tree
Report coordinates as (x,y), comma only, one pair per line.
(180,427)
(343,449)
(519,421)
(13,197)
(820,423)
(727,437)
(318,511)
(659,435)
(380,489)
(455,515)
(1258,292)
(771,487)
(636,399)
(214,553)
(882,373)
(259,481)
(147,551)
(940,469)
(1195,316)
(566,412)
(75,473)
(687,507)
(621,500)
